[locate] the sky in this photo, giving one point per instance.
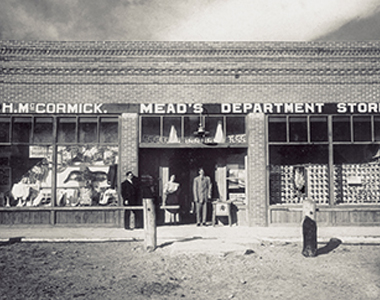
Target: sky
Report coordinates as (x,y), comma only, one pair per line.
(189,20)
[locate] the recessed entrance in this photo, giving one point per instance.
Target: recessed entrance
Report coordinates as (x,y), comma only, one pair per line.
(221,165)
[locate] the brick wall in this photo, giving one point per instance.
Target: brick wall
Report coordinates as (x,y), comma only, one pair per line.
(129,144)
(256,171)
(202,72)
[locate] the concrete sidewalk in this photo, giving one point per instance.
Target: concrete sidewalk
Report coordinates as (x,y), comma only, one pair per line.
(175,233)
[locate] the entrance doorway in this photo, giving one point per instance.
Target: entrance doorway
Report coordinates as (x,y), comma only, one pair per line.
(184,163)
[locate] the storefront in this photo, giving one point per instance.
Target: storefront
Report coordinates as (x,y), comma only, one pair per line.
(331,157)
(270,123)
(62,168)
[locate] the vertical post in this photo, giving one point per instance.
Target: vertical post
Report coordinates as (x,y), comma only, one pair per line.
(150,229)
(309,229)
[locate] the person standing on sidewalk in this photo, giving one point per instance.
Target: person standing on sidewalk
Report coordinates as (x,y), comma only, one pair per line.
(202,192)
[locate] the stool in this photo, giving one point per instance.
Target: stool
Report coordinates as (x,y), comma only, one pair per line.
(221,209)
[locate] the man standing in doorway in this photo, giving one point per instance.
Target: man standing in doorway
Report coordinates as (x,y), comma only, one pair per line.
(202,192)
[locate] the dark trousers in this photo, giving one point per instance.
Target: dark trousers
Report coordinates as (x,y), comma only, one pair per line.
(201,208)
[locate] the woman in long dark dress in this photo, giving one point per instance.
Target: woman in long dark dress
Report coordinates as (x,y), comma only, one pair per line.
(171,193)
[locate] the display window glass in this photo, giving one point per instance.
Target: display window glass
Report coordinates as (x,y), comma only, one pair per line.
(172,130)
(318,129)
(193,129)
(26,175)
(43,130)
(4,130)
(377,128)
(88,130)
(109,130)
(191,124)
(150,130)
(362,128)
(277,129)
(70,159)
(342,171)
(298,129)
(66,130)
(21,129)
(84,175)
(341,128)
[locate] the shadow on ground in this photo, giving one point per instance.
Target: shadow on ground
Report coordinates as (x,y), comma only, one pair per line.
(330,246)
(183,240)
(11,241)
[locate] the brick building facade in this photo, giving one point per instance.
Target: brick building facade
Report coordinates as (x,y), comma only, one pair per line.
(284,110)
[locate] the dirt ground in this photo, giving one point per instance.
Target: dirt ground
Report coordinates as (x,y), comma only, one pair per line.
(125,270)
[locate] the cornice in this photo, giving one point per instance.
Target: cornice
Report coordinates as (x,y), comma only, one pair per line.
(41,71)
(264,52)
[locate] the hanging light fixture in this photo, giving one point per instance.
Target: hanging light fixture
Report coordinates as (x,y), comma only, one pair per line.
(201,132)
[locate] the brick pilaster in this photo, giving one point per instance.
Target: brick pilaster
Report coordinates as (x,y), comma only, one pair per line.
(129,144)
(256,171)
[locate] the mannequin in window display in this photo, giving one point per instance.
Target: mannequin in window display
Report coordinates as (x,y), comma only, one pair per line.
(202,192)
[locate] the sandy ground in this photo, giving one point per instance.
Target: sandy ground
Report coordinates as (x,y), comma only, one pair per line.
(125,270)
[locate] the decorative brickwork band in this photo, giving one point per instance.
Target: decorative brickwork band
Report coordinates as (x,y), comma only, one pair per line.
(129,144)
(256,170)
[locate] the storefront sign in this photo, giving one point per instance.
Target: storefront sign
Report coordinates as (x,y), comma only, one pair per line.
(190,108)
(266,108)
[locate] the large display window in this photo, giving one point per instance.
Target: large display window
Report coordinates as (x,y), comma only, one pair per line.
(304,162)
(74,157)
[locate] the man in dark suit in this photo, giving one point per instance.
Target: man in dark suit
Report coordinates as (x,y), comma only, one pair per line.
(129,193)
(202,192)
(129,190)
